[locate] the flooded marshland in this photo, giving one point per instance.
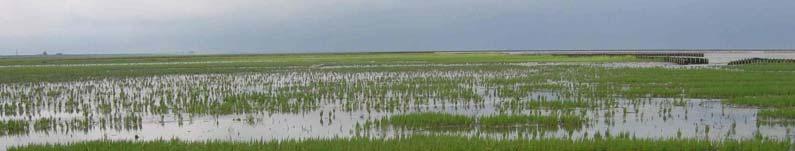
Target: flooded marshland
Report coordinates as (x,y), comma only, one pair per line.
(331,101)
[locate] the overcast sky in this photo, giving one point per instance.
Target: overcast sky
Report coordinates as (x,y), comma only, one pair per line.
(277,26)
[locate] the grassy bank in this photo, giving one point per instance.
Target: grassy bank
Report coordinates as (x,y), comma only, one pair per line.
(425,143)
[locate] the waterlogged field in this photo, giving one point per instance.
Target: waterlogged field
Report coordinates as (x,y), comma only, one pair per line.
(392,101)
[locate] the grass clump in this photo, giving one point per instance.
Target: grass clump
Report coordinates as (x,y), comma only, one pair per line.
(777,113)
(13,127)
(434,120)
(43,124)
(428,119)
(785,116)
(765,101)
(422,142)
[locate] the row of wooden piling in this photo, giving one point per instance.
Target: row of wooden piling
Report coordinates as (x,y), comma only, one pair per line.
(760,61)
(678,60)
(681,58)
(638,54)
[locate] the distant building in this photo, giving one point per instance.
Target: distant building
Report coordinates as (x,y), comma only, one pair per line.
(44,53)
(59,54)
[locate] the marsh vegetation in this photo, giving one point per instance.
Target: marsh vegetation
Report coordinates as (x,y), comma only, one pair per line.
(392,101)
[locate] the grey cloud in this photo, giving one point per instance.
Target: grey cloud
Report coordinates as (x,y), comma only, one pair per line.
(150,26)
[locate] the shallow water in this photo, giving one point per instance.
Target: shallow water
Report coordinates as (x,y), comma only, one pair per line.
(343,100)
(726,57)
(689,121)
